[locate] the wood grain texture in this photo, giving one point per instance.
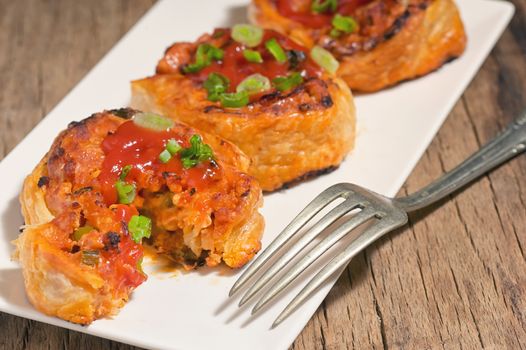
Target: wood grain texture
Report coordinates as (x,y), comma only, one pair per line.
(454,279)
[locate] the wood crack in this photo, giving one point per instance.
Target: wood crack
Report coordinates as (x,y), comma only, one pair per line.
(455,282)
(477,328)
(381,320)
(501,223)
(466,230)
(419,265)
(25,333)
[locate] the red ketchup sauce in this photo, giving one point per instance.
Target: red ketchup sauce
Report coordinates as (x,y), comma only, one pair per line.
(125,212)
(133,145)
(121,267)
(139,147)
(235,67)
(317,20)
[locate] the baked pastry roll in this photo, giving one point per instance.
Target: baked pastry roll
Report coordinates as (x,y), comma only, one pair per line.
(379,43)
(118,177)
(275,99)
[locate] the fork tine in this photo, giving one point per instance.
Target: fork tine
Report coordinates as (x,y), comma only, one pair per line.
(361,217)
(308,236)
(314,207)
(361,242)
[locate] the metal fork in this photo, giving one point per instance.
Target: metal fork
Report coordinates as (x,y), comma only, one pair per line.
(386,213)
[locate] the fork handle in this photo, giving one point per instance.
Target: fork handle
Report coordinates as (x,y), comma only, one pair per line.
(508,144)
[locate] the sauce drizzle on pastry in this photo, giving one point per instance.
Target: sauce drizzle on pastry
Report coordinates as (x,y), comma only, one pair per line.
(305,16)
(139,148)
(235,67)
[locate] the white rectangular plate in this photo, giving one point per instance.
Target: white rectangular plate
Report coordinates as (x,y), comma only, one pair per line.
(191,311)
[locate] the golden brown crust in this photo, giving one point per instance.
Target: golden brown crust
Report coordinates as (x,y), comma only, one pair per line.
(413,39)
(54,283)
(285,139)
(285,134)
(63,193)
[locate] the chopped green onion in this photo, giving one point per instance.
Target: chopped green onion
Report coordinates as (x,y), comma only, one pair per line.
(188,163)
(81,231)
(140,227)
(325,59)
(203,58)
(254,84)
(165,156)
(215,53)
(153,121)
(125,192)
(216,84)
(320,6)
(90,257)
(289,82)
(196,153)
(252,56)
(125,170)
(173,147)
(335,33)
(345,24)
(234,99)
(276,50)
(247,34)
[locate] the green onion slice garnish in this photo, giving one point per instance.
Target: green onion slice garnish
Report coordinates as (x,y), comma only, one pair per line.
(81,231)
(325,59)
(254,84)
(335,33)
(204,56)
(345,24)
(216,84)
(247,34)
(173,147)
(153,121)
(165,156)
(196,153)
(140,227)
(234,99)
(125,192)
(252,56)
(276,50)
(125,170)
(289,82)
(320,6)
(90,257)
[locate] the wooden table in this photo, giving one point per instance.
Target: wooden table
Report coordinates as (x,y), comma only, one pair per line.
(454,279)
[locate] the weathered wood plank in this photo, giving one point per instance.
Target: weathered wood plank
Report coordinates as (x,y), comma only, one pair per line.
(453,280)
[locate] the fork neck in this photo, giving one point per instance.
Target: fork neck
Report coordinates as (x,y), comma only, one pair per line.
(508,144)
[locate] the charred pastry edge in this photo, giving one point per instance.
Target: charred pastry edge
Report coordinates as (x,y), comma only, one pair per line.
(309,175)
(43,181)
(446,60)
(124,113)
(191,262)
(276,96)
(397,26)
